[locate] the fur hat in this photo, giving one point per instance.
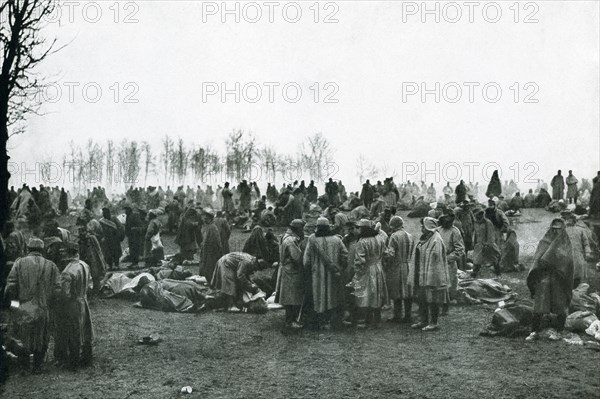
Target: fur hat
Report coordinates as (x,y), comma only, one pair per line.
(35,243)
(365,223)
(396,222)
(430,224)
(297,223)
(322,221)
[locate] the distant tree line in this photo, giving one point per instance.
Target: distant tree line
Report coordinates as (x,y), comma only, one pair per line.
(119,165)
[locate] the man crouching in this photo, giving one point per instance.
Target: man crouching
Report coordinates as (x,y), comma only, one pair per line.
(232,278)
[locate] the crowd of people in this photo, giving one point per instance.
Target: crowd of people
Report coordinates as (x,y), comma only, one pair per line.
(344,257)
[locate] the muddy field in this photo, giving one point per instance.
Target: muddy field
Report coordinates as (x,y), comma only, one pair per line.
(225,355)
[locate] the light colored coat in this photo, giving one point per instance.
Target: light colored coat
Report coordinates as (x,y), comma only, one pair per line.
(290,284)
(571,186)
(327,288)
(455,247)
(581,251)
(34,282)
(232,274)
(75,317)
(432,263)
(369,280)
(400,248)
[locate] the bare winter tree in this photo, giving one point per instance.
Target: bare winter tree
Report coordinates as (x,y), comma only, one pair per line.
(290,167)
(166,156)
(241,150)
(110,163)
(94,163)
(23,48)
(387,171)
(268,157)
(148,160)
(75,167)
(199,163)
(47,168)
(129,162)
(365,169)
(179,161)
(65,171)
(214,167)
(316,152)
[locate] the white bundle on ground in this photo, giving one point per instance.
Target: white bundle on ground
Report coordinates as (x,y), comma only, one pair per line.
(580,320)
(594,330)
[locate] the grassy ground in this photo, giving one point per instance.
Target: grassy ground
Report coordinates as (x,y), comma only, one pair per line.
(247,356)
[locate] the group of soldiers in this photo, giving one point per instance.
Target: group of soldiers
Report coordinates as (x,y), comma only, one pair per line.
(343,258)
(48,301)
(347,273)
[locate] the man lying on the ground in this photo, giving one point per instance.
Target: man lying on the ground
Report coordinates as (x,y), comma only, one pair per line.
(175,296)
(124,284)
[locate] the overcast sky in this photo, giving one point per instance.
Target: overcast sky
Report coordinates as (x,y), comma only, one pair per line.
(377,53)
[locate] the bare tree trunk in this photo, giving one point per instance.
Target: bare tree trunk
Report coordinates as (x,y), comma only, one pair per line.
(4,173)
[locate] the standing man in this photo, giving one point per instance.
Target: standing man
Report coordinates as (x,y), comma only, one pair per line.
(498,219)
(245,197)
(74,323)
(550,280)
(594,211)
(87,212)
(91,254)
(224,231)
(467,221)
(400,248)
(211,248)
(558,186)
(188,234)
(326,258)
(367,194)
(429,275)
(580,245)
(312,192)
(228,206)
(572,188)
(485,250)
(112,235)
(455,250)
(369,280)
(15,244)
(133,231)
(63,202)
(461,192)
(290,282)
(34,282)
(332,191)
(153,249)
(173,210)
(447,190)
